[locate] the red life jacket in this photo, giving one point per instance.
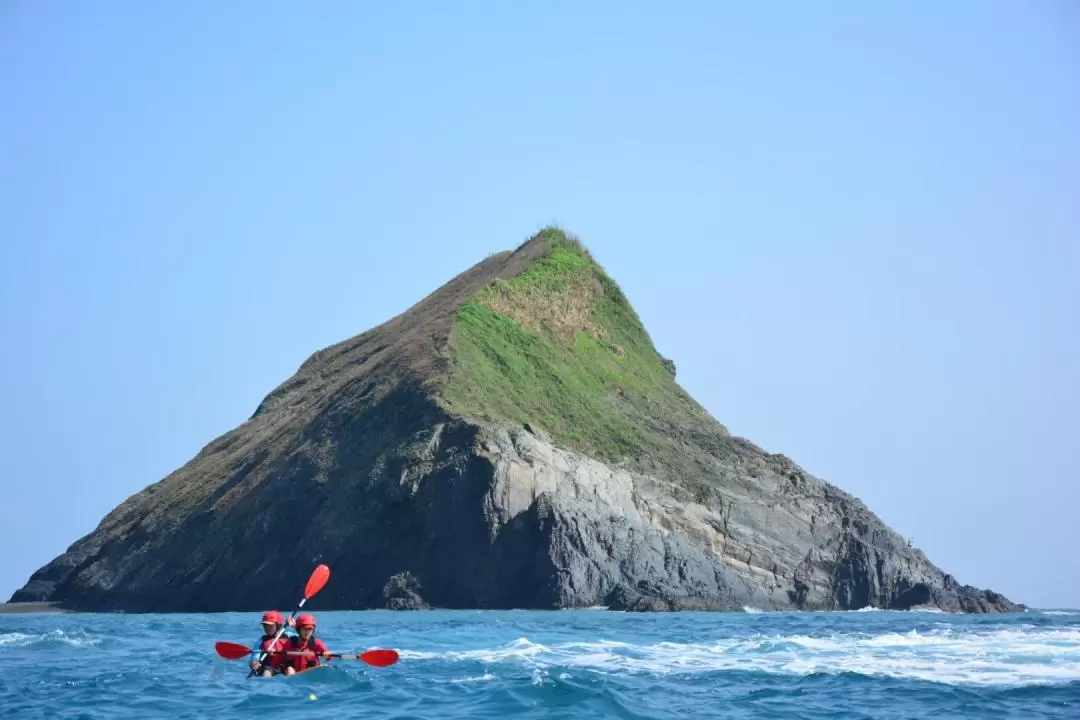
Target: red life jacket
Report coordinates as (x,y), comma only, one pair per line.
(276,659)
(302,662)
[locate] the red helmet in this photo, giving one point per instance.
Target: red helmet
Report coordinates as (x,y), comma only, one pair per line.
(272,616)
(305,620)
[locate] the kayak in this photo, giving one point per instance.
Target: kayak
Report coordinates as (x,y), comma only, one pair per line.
(301,672)
(307,670)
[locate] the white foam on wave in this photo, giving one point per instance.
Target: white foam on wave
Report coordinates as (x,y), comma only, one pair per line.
(17,639)
(994,657)
(932,609)
(914,609)
(869,608)
(486,677)
(1059,612)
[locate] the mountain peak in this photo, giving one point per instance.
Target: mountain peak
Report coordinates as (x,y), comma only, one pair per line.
(559,346)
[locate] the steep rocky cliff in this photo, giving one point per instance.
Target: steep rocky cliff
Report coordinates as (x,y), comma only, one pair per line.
(512,440)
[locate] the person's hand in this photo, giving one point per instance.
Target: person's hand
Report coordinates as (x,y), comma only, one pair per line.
(254,664)
(291,622)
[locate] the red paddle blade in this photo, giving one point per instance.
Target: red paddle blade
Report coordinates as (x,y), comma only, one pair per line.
(232,651)
(317,581)
(380,658)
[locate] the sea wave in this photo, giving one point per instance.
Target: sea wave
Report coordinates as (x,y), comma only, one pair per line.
(1001,657)
(45,640)
(486,677)
(534,665)
(930,609)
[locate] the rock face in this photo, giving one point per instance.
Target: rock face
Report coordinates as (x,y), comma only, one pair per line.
(402,592)
(512,441)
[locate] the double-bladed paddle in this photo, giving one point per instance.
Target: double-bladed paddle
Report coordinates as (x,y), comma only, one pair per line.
(378,657)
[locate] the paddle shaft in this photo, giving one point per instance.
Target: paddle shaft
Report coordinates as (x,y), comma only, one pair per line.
(312,653)
(376,657)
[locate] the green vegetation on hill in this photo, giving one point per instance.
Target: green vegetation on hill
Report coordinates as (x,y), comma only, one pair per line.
(560,346)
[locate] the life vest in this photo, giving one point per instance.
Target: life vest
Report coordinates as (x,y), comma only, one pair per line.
(302,662)
(273,659)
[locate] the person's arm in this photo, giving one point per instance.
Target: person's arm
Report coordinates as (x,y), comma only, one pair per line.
(255,658)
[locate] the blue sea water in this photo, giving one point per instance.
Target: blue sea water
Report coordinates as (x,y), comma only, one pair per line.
(568,664)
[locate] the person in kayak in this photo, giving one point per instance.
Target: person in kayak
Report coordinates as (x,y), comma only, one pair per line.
(275,658)
(304,641)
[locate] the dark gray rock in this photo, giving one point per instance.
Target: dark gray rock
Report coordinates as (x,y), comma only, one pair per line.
(402,592)
(493,517)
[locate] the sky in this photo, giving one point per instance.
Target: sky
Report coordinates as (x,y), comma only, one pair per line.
(855,227)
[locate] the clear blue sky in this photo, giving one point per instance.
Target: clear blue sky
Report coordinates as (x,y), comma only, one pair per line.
(854,226)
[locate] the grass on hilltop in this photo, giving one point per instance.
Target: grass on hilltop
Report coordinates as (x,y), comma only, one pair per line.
(560,346)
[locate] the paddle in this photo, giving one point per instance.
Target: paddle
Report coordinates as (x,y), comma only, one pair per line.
(232,651)
(315,583)
(378,657)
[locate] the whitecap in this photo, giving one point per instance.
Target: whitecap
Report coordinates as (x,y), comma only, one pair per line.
(486,677)
(982,657)
(17,639)
(932,609)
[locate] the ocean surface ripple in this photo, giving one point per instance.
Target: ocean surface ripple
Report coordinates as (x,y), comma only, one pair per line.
(563,664)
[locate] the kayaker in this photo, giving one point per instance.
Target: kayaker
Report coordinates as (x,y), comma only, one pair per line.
(305,641)
(275,659)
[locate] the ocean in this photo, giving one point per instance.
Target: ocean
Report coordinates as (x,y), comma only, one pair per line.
(559,664)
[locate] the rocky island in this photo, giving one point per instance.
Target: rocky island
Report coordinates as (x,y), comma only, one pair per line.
(513,440)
